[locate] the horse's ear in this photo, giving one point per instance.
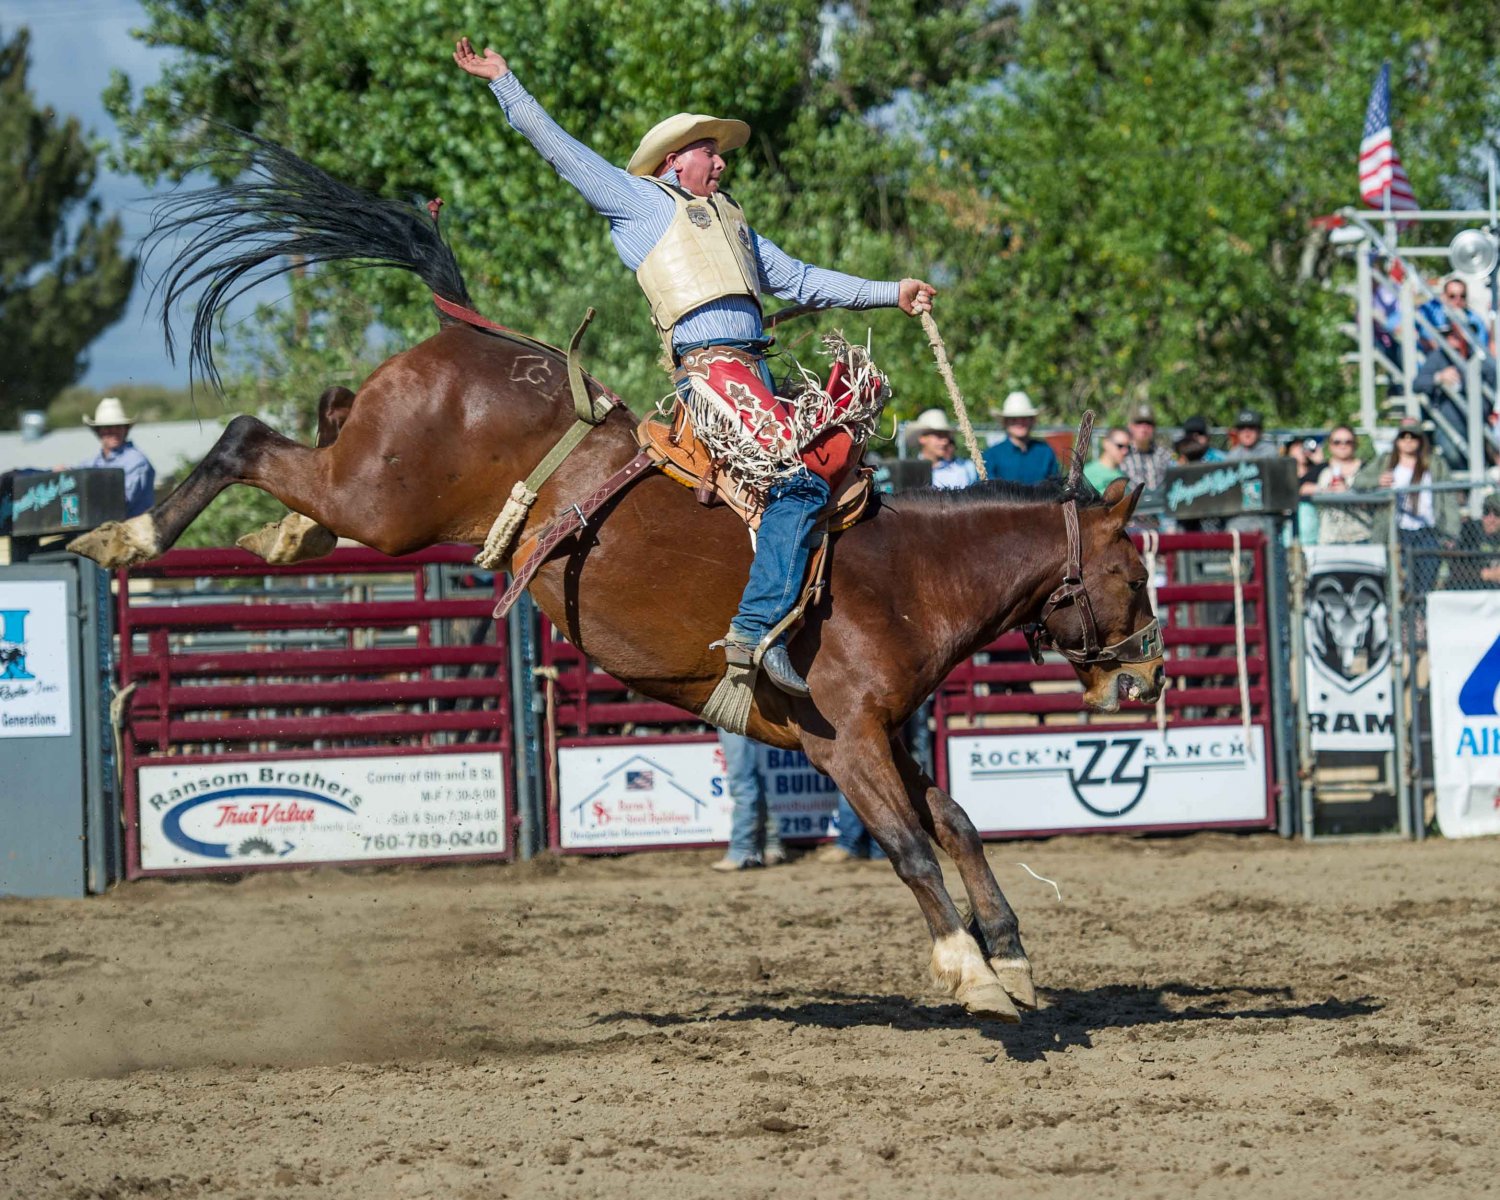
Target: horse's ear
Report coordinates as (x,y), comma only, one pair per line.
(1122,500)
(1082,444)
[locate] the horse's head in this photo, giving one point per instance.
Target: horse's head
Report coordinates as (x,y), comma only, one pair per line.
(1101,619)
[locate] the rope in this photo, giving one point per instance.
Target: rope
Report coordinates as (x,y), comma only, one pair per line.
(119,713)
(1150,541)
(1239,641)
(549,674)
(940,352)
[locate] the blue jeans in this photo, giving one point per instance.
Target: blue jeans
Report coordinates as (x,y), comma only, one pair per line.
(752,827)
(784,542)
(783,545)
(853,836)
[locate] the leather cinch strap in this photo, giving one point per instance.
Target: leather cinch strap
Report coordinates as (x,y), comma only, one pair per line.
(536,550)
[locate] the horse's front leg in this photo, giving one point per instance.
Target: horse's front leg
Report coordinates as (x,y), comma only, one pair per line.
(994,922)
(862,765)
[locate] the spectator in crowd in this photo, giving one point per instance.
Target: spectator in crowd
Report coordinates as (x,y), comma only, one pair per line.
(1245,437)
(1426,521)
(1105,469)
(1307,453)
(754,840)
(1340,523)
(117,452)
(1193,446)
(1020,458)
(1445,382)
(1480,542)
(1145,462)
(1455,297)
(854,840)
(935,444)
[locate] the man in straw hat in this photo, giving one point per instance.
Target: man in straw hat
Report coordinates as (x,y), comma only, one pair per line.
(1020,458)
(704,269)
(934,437)
(112,427)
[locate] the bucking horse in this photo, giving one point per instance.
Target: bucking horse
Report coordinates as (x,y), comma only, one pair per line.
(439,434)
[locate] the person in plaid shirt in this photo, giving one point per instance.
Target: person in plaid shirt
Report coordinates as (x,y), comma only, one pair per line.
(1146,461)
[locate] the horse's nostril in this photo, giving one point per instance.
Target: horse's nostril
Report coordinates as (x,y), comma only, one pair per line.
(1159,676)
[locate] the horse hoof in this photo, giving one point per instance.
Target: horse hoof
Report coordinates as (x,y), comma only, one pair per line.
(1014,975)
(118,543)
(989,1000)
(294,538)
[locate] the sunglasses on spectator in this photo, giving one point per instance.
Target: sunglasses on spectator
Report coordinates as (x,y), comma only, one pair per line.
(1455,295)
(1405,433)
(1341,441)
(1120,445)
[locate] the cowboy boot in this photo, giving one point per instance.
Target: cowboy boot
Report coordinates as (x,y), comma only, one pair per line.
(777,663)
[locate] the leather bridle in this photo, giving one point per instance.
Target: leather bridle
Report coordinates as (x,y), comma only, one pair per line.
(1141,646)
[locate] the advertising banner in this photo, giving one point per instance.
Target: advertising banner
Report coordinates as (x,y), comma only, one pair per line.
(674,793)
(35,672)
(237,815)
(1347,633)
(1463,646)
(1104,778)
(1227,489)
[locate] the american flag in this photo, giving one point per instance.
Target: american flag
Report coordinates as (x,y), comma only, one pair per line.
(640,781)
(1380,170)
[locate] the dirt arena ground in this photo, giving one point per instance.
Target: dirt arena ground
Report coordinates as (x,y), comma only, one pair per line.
(1223,1016)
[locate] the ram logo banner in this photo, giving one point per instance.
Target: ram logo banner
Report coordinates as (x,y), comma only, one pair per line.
(35,659)
(236,815)
(1194,776)
(1463,648)
(1346,629)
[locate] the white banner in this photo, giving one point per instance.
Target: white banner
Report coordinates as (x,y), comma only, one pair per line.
(1463,648)
(35,659)
(237,815)
(1347,633)
(1110,778)
(655,793)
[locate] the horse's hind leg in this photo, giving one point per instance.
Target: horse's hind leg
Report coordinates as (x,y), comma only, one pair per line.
(863,767)
(248,451)
(994,922)
(296,538)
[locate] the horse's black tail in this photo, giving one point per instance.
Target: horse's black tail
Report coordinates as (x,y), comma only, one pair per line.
(281,213)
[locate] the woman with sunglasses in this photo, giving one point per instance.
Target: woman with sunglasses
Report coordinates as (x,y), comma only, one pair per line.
(1340,523)
(1426,521)
(1110,465)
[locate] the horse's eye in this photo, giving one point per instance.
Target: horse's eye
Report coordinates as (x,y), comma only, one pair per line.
(1137,584)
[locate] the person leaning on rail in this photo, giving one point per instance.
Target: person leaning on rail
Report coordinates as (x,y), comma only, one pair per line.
(703,269)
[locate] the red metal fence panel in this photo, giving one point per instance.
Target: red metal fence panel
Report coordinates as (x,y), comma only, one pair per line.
(352,708)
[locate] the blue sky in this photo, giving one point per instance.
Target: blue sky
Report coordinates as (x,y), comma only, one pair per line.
(74,46)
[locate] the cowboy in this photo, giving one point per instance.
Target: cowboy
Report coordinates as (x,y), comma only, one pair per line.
(112,427)
(934,438)
(703,269)
(1020,458)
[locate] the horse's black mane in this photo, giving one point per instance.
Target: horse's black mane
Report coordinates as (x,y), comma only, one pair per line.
(280,213)
(1003,492)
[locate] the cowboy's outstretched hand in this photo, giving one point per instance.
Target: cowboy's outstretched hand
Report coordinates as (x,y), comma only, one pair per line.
(916,297)
(491,66)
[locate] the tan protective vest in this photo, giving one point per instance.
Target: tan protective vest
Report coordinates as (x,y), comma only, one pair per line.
(704,255)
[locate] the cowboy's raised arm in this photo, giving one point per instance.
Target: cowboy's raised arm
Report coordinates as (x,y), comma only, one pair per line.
(794,280)
(609,191)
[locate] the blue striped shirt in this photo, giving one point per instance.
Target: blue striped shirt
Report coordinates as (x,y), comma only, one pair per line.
(639,213)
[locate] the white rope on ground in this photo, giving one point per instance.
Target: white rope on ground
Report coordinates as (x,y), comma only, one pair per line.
(1239,641)
(1150,542)
(1043,878)
(940,352)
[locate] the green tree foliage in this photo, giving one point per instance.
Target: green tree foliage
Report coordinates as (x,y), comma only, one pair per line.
(369,92)
(63,277)
(1129,208)
(1114,197)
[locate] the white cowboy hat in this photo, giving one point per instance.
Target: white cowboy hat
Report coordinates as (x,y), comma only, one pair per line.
(1017,404)
(109,412)
(934,420)
(684,129)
